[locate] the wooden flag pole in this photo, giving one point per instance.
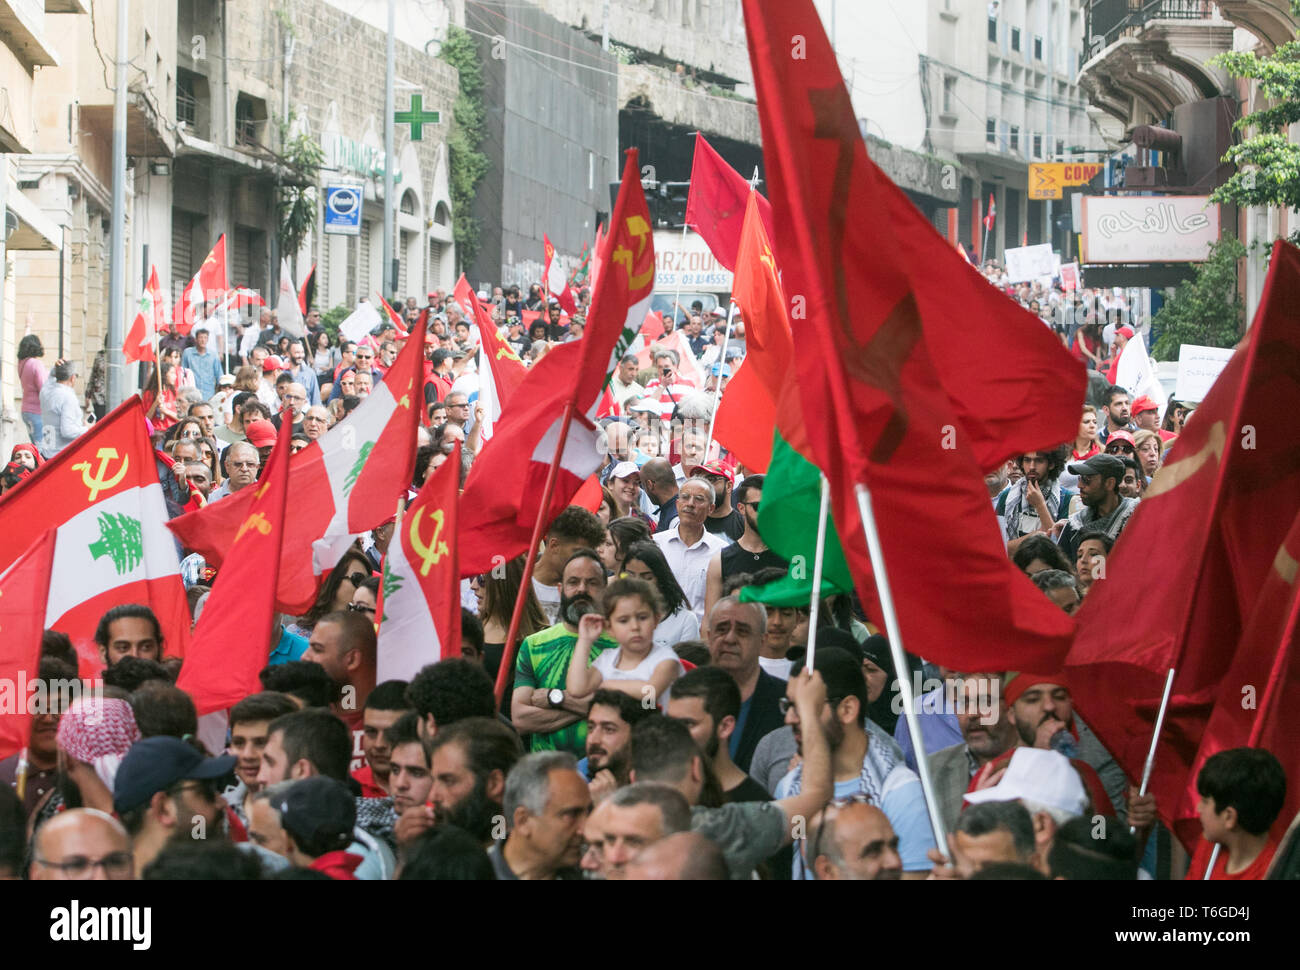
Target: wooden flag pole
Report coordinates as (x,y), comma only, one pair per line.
(510,648)
(895,636)
(814,605)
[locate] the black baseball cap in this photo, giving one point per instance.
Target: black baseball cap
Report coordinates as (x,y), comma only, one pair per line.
(318,811)
(156,764)
(1107,466)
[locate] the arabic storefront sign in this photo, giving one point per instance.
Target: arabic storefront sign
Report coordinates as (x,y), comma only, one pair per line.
(1148,228)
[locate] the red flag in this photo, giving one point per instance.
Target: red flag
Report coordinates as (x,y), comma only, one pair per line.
(893,410)
(653,328)
(556,285)
(419,598)
(232,640)
(209,283)
(715,205)
(500,369)
(149,321)
(349,482)
(392,315)
(992,213)
(307,291)
(23,590)
(1201,520)
(748,413)
(595,256)
(102,494)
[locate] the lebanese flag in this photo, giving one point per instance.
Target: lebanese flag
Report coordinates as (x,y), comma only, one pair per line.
(102,494)
(232,640)
(595,256)
(893,407)
(23,590)
(287,311)
(991,217)
(747,415)
(209,283)
(1213,517)
(505,484)
(715,204)
(653,328)
(343,485)
(148,322)
(499,367)
(307,292)
(556,285)
(419,597)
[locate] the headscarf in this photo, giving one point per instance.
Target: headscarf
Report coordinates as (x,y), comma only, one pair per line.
(27,449)
(100,732)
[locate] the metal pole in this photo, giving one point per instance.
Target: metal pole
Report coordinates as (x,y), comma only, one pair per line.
(895,636)
(815,602)
(1155,735)
(7,419)
(721,364)
(117,236)
(386,271)
(678,298)
(1048,148)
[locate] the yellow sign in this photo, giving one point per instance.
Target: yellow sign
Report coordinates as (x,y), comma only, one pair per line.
(99,483)
(435,549)
(1049,180)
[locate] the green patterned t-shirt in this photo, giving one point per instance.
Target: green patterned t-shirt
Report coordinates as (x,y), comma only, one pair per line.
(544,662)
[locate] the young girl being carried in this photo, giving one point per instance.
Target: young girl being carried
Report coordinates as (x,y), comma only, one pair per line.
(632,610)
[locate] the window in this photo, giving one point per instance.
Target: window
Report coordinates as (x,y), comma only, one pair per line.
(1060,147)
(993,28)
(991,131)
(1015,38)
(949,94)
(1038,146)
(250,113)
(1015,139)
(187,105)
(1038,48)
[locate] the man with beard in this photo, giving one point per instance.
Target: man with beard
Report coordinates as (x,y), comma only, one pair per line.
(610,721)
(1034,503)
(989,731)
(1116,413)
(707,701)
(749,553)
(723,520)
(539,704)
(1104,507)
(853,840)
(573,529)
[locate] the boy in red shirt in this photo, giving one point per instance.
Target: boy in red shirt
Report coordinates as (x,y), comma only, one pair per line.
(1242,791)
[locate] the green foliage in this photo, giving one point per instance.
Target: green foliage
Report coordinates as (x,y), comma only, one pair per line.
(467,165)
(296,205)
(1268,164)
(332,317)
(1208,310)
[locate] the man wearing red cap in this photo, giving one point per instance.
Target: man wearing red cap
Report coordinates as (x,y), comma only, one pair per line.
(723,521)
(1122,336)
(1146,415)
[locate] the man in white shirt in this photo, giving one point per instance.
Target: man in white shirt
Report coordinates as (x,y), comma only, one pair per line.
(688,546)
(623,384)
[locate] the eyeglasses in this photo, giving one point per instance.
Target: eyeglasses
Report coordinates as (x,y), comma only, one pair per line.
(245,464)
(115,864)
(784,704)
(1119,447)
(356,579)
(360,608)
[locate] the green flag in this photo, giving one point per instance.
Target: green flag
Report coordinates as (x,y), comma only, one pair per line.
(787,521)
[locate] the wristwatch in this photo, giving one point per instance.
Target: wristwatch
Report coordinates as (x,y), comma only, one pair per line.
(555,697)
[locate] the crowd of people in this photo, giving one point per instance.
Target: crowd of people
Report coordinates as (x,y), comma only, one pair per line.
(655,725)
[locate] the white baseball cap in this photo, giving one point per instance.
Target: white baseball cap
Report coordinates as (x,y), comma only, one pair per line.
(1041,776)
(624,469)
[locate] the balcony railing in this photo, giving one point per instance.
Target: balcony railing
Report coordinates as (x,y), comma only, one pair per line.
(1109,20)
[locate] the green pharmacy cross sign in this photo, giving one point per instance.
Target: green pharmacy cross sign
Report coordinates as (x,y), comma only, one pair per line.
(417,117)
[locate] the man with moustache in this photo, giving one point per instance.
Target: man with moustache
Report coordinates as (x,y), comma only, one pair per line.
(610,721)
(1035,502)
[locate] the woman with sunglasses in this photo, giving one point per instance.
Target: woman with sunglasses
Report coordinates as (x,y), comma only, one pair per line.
(645,561)
(337,591)
(1121,444)
(365,598)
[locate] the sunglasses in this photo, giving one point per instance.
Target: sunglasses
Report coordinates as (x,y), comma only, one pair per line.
(360,608)
(356,579)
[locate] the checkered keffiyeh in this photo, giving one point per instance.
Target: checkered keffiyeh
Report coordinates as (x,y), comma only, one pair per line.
(98,732)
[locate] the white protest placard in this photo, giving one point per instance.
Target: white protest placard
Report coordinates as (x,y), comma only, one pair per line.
(1029,262)
(1070,276)
(1137,374)
(359,322)
(1198,368)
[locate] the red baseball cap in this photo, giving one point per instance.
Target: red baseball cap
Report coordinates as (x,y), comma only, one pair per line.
(714,468)
(1144,403)
(273,363)
(1125,332)
(260,434)
(1119,434)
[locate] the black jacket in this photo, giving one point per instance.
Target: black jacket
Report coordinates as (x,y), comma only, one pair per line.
(764,717)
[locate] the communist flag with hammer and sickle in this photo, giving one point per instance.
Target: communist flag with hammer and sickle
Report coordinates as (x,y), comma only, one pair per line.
(419,597)
(102,494)
(900,389)
(1204,574)
(233,639)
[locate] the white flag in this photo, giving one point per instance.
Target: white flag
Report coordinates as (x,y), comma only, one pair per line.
(359,322)
(1137,374)
(287,311)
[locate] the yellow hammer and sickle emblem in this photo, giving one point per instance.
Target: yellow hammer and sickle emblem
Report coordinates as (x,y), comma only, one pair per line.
(99,483)
(639,228)
(436,549)
(405,400)
(505,350)
(255,521)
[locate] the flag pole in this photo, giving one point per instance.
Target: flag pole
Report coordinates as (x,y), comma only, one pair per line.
(886,595)
(525,584)
(721,363)
(678,298)
(814,605)
(1155,738)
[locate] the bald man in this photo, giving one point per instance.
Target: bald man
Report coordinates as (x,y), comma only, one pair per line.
(683,855)
(82,843)
(854,841)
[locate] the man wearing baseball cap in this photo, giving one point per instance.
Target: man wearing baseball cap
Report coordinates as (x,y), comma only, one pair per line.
(1122,336)
(723,520)
(317,815)
(1103,506)
(167,789)
(1146,415)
